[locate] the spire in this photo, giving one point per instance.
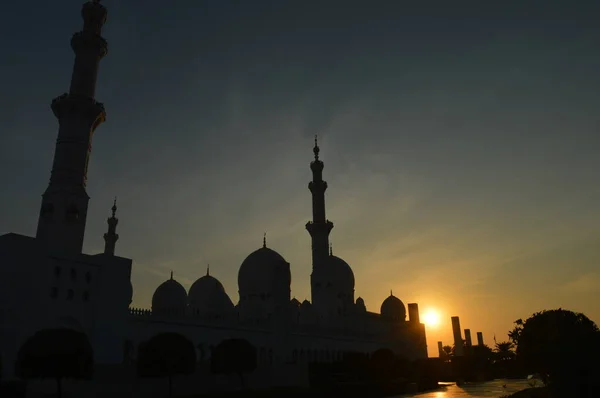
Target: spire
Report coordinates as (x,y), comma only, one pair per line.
(63,215)
(316,149)
(111,237)
(265,240)
(171,274)
(114,208)
(391,294)
(208,270)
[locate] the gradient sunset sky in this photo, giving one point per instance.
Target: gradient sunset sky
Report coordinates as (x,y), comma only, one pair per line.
(461,142)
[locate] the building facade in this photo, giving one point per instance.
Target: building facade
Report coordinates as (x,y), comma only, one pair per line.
(92,293)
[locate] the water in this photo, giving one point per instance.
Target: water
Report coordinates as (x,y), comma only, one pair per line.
(495,388)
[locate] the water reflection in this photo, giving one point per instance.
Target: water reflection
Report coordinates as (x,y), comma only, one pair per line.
(495,388)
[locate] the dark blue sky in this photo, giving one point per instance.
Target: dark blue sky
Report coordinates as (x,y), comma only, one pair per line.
(460,141)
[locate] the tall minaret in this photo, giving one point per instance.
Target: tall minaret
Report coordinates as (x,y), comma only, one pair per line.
(61,224)
(319,228)
(111,237)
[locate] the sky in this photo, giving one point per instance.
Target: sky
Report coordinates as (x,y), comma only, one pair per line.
(460,140)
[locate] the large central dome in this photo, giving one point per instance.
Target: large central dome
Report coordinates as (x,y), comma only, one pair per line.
(263,272)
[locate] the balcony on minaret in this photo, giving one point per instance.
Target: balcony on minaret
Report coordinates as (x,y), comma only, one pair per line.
(316,227)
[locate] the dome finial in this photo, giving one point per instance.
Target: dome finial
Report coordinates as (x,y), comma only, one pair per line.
(171,274)
(391,294)
(208,270)
(265,240)
(316,149)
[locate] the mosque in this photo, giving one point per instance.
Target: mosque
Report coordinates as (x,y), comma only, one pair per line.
(64,287)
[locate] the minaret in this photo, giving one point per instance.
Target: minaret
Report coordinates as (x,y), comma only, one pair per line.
(61,224)
(111,237)
(319,228)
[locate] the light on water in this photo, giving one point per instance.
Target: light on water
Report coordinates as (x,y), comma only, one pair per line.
(490,389)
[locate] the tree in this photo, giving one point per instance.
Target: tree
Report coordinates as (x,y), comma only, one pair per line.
(446,353)
(562,346)
(166,355)
(233,356)
(55,354)
(504,351)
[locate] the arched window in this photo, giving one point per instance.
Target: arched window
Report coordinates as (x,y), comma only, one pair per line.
(70,294)
(54,292)
(88,277)
(86,296)
(57,271)
(73,274)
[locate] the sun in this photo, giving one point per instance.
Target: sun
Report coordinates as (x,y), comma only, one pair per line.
(431,318)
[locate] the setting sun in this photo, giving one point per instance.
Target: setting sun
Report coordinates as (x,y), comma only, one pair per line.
(431,318)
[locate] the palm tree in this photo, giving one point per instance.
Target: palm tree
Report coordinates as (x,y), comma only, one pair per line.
(504,350)
(447,353)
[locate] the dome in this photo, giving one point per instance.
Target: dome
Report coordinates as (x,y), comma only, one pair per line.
(341,272)
(207,295)
(294,303)
(393,308)
(360,304)
(170,297)
(263,272)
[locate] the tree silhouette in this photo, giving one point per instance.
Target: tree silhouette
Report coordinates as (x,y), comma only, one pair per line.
(504,350)
(447,353)
(562,346)
(166,355)
(233,356)
(55,354)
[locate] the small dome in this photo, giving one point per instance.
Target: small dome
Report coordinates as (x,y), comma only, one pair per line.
(207,296)
(360,305)
(294,303)
(393,308)
(170,297)
(307,313)
(264,271)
